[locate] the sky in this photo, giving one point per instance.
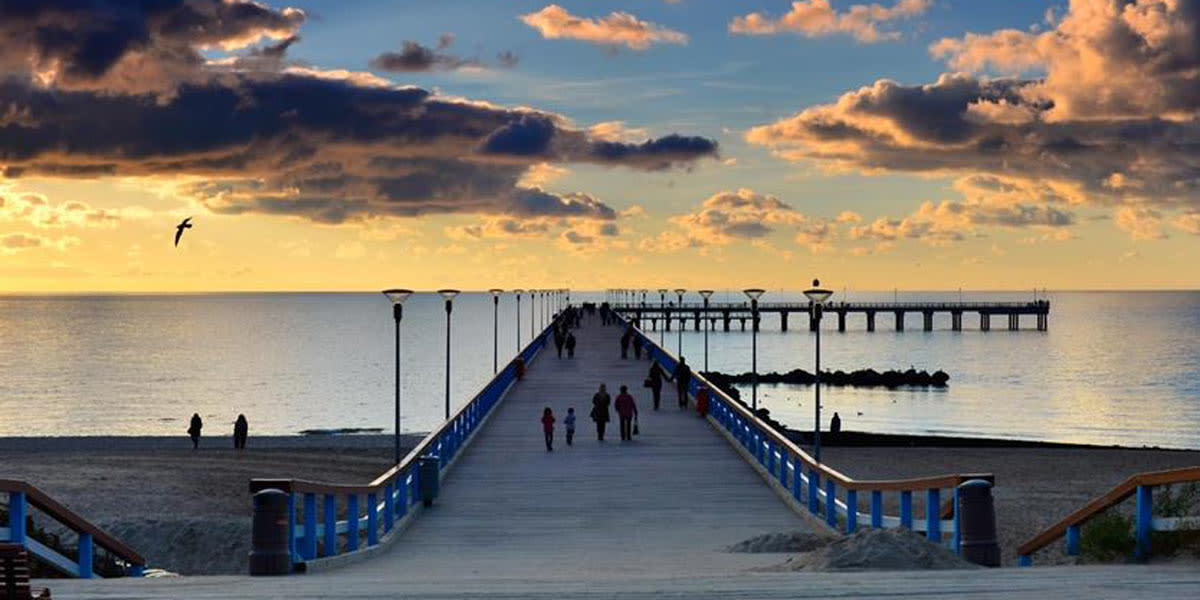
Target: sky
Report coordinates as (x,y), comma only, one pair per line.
(358,145)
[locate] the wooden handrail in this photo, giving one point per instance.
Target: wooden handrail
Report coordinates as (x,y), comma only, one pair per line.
(394,472)
(1105,501)
(73,521)
(937,481)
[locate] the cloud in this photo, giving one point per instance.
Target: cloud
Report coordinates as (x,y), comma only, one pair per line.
(817,18)
(1140,222)
(1188,222)
(616,29)
(36,210)
(11,243)
(740,214)
(415,58)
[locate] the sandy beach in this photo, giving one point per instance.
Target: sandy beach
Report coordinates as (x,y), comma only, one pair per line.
(189,512)
(186,511)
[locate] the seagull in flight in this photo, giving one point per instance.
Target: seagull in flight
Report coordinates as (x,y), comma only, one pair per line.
(179,230)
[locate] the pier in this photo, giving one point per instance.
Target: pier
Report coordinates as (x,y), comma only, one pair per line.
(653,316)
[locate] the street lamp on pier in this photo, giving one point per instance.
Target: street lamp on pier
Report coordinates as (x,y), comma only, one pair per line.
(705,294)
(397,297)
(817,296)
(496,329)
(518,292)
(753,294)
(448,295)
(679,292)
(662,309)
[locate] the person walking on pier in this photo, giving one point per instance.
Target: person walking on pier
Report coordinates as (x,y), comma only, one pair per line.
(627,411)
(600,403)
(654,381)
(548,428)
(683,379)
(570,345)
(625,337)
(241,430)
(194,430)
(637,347)
(569,422)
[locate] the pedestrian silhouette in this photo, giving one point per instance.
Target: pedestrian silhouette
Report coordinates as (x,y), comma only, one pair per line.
(548,428)
(241,430)
(570,345)
(835,424)
(683,378)
(654,381)
(627,411)
(600,403)
(194,430)
(186,224)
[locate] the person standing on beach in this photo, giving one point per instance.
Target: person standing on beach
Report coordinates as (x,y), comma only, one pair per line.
(835,424)
(600,403)
(194,430)
(241,430)
(654,381)
(548,428)
(627,411)
(569,422)
(683,379)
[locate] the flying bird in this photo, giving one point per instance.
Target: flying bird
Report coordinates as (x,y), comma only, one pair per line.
(179,230)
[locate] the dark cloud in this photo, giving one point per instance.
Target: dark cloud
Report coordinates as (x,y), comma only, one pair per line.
(415,58)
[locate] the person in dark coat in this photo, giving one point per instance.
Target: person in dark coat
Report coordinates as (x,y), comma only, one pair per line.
(548,428)
(637,347)
(683,379)
(627,411)
(835,424)
(600,403)
(559,339)
(570,345)
(628,335)
(655,381)
(241,430)
(194,430)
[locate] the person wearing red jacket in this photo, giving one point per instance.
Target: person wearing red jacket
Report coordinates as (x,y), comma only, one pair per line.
(627,411)
(548,428)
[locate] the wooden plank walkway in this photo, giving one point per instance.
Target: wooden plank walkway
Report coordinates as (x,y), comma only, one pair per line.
(670,501)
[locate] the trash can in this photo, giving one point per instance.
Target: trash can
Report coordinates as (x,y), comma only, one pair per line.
(269,552)
(977,518)
(428,478)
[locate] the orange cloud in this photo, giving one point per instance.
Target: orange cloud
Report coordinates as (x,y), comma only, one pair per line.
(616,29)
(817,18)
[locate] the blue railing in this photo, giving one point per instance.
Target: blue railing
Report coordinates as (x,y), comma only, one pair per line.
(819,489)
(343,520)
(22,497)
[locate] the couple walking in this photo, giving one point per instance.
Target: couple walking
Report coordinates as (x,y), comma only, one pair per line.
(626,409)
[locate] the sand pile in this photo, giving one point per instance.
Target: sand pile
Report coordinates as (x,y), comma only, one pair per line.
(196,546)
(796,541)
(868,549)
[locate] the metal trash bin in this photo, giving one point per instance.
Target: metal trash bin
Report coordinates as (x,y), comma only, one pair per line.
(427,478)
(977,517)
(269,552)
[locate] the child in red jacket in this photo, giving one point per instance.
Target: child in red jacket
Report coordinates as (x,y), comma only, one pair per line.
(548,428)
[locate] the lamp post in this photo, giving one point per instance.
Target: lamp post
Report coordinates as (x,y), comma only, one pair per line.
(532,318)
(397,297)
(449,296)
(679,292)
(706,294)
(753,294)
(496,329)
(518,292)
(817,296)
(662,308)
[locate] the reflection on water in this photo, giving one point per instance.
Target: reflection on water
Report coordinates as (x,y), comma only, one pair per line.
(1113,368)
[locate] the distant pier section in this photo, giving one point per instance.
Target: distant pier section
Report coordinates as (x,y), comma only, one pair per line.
(654,315)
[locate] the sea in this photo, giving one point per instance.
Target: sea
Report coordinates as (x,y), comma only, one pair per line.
(1114,368)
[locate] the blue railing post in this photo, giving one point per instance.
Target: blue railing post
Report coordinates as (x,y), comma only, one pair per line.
(402,495)
(957,524)
(814,481)
(1025,560)
(1073,540)
(291,530)
(1145,512)
(329,547)
(797,493)
(351,522)
(906,510)
(830,502)
(877,509)
(933,516)
(389,506)
(851,510)
(372,519)
(136,571)
(17,514)
(86,551)
(783,461)
(309,550)
(770,456)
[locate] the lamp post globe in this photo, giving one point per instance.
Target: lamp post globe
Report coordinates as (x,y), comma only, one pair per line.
(817,297)
(754,294)
(397,298)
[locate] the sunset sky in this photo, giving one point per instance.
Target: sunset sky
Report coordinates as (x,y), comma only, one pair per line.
(354,145)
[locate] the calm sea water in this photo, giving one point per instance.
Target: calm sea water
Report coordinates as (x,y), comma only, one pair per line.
(1114,368)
